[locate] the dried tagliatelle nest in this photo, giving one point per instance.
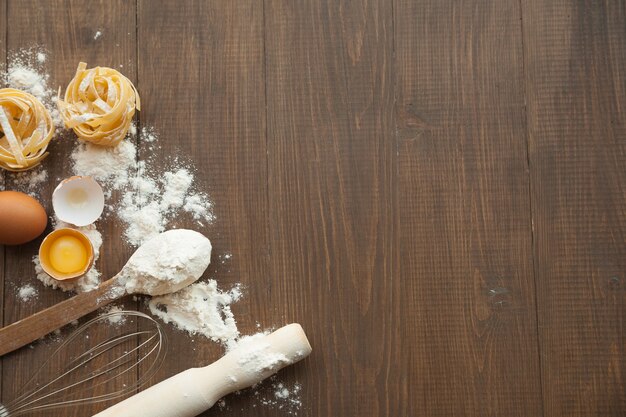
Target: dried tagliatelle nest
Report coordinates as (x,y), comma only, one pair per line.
(26,129)
(99,105)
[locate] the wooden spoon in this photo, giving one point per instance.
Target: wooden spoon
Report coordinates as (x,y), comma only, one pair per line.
(28,330)
(40,324)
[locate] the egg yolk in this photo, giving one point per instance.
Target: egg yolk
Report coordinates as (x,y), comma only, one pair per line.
(67,254)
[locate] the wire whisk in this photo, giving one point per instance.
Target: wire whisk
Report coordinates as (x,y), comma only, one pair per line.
(97,362)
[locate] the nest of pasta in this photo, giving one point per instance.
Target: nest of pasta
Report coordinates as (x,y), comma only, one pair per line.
(99,105)
(26,128)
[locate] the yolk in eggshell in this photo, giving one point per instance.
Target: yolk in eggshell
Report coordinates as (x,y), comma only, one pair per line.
(68,254)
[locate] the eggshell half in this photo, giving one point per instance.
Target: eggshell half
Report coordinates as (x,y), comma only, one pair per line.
(78,201)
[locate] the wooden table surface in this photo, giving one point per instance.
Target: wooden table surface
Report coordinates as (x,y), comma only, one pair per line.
(435,189)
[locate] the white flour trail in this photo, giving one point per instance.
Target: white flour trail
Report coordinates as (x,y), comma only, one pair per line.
(149,199)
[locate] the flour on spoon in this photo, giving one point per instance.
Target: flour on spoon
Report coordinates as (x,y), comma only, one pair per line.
(166,263)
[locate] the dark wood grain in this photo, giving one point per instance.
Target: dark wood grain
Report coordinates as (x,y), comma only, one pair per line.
(201,77)
(576,82)
(464,221)
(66,29)
(434,189)
(331,168)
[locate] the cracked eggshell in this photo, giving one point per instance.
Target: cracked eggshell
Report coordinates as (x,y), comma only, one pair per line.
(78,201)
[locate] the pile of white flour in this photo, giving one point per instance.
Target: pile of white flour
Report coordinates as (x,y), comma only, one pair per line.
(200,309)
(27,292)
(167,263)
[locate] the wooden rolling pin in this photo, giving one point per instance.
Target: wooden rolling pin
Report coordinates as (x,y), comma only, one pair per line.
(195,390)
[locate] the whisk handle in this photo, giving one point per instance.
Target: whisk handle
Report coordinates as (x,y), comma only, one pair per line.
(31,328)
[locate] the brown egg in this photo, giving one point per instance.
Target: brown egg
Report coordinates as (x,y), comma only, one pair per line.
(22,218)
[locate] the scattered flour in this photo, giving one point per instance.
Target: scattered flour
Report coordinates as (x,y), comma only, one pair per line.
(31,179)
(27,79)
(110,166)
(200,308)
(226,257)
(113,293)
(87,282)
(115,319)
(28,182)
(142,221)
(284,397)
(149,200)
(281,392)
(27,292)
(25,72)
(274,394)
(256,356)
(175,188)
(199,207)
(148,134)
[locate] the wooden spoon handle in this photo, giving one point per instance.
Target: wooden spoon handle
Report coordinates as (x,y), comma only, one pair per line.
(40,324)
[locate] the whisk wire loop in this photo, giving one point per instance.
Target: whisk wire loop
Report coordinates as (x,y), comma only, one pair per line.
(83,373)
(94,374)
